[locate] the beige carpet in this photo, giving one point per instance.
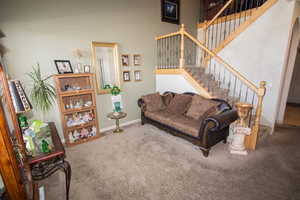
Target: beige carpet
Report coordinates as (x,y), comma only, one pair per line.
(145,163)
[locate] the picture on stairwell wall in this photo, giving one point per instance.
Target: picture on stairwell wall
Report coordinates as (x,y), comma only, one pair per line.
(170,11)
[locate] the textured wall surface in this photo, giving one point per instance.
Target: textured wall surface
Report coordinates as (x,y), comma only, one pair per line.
(41,31)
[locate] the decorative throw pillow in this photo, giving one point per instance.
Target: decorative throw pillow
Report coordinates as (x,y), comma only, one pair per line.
(179,104)
(201,106)
(153,102)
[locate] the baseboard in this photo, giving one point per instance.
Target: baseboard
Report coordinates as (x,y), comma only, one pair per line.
(122,124)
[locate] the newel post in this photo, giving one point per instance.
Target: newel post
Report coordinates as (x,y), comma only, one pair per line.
(251,140)
(181,60)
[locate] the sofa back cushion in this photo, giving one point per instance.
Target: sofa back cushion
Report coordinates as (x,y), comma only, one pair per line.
(179,104)
(153,102)
(201,106)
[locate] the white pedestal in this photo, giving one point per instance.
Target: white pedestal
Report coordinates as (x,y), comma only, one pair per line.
(237,145)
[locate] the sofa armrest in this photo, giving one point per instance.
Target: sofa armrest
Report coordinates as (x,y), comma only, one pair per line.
(142,104)
(222,120)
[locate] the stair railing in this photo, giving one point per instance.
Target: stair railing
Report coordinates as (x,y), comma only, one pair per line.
(180,49)
(227,20)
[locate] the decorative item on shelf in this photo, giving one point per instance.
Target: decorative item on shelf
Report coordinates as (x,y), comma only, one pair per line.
(170,11)
(23,121)
(116,99)
(42,93)
(241,129)
(19,97)
(78,55)
(107,86)
(137,75)
(38,138)
(87,68)
(125,60)
(137,60)
(63,66)
(126,76)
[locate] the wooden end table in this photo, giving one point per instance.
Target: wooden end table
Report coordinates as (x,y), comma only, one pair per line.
(46,164)
(117,116)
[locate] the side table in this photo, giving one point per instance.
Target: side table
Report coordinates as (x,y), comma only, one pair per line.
(45,164)
(117,116)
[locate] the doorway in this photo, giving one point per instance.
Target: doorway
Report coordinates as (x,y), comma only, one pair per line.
(289,106)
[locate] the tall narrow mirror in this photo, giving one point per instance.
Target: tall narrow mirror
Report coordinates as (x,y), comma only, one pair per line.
(106,64)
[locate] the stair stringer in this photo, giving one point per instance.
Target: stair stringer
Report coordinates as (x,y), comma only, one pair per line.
(180,79)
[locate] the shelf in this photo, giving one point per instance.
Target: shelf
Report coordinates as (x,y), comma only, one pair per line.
(73,75)
(83,140)
(76,92)
(71,128)
(69,111)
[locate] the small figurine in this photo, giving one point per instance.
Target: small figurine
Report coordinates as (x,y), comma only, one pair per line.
(88,103)
(45,148)
(91,116)
(71,138)
(94,131)
(76,135)
(84,133)
(70,122)
(23,121)
(86,117)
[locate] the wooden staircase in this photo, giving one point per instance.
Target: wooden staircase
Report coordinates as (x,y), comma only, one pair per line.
(209,74)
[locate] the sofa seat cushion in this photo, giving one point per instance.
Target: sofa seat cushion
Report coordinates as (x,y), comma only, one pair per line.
(178,122)
(162,116)
(201,106)
(179,104)
(185,124)
(153,102)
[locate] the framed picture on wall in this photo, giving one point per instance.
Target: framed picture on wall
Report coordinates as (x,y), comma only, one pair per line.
(125,60)
(137,75)
(126,76)
(170,11)
(63,66)
(137,60)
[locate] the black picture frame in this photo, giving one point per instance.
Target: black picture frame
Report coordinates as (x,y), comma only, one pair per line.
(170,11)
(63,63)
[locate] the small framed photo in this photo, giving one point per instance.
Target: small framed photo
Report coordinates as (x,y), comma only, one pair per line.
(126,76)
(63,66)
(137,75)
(137,60)
(87,68)
(170,11)
(125,60)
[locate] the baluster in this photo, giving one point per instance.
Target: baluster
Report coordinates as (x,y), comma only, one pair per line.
(240,90)
(234,90)
(251,113)
(251,6)
(225,22)
(235,13)
(246,96)
(240,12)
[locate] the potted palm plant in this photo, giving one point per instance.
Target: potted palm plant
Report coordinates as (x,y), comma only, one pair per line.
(42,93)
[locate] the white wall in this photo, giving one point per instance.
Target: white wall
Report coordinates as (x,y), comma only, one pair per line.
(42,31)
(173,83)
(258,53)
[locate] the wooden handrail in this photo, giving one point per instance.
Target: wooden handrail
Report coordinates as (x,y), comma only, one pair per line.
(168,35)
(230,17)
(219,13)
(220,60)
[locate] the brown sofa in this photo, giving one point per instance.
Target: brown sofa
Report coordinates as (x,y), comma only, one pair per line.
(204,122)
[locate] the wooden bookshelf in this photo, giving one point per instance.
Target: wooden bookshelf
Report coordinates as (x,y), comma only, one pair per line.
(77,102)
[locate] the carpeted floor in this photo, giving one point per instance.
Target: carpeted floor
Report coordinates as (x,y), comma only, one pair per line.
(145,163)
